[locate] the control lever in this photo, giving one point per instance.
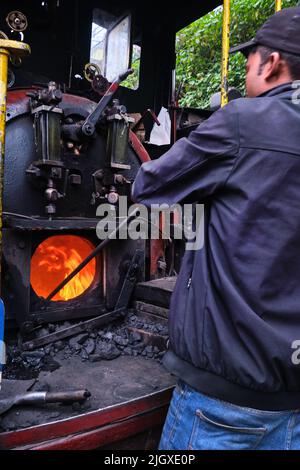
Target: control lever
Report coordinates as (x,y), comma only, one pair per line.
(88,127)
(152,114)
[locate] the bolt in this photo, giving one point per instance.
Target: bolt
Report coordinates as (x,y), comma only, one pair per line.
(113,197)
(88,129)
(50,209)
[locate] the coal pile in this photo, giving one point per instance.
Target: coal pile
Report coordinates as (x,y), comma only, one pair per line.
(105,344)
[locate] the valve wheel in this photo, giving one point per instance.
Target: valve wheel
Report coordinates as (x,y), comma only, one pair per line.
(17,21)
(90,71)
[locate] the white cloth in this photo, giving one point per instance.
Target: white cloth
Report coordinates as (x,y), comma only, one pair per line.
(161,135)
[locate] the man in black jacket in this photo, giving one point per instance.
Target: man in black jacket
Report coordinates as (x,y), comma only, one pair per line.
(235,311)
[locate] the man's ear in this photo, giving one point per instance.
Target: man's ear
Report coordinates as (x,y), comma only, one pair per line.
(273,66)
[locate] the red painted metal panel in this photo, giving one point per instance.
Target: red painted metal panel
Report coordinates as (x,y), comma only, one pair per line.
(86,422)
(156,246)
(139,148)
(18,103)
(105,435)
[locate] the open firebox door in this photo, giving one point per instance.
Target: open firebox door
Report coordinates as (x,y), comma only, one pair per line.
(54,259)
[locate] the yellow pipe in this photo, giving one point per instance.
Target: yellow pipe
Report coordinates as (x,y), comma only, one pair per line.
(278,5)
(225,51)
(4,56)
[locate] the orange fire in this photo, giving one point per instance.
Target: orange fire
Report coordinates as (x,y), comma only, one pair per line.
(54,259)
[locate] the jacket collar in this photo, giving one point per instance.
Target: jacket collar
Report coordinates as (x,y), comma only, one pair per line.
(282,91)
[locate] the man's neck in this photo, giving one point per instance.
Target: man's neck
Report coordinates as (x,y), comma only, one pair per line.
(278,85)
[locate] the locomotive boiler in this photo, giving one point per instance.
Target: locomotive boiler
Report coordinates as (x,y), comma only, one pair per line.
(55,178)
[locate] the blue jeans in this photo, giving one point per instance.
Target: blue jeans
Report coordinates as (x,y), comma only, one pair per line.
(198,422)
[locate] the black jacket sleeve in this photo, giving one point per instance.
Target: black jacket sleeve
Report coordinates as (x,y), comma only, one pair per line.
(195,167)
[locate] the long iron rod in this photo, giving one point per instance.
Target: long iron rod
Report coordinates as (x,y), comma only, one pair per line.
(74,330)
(92,255)
(225,51)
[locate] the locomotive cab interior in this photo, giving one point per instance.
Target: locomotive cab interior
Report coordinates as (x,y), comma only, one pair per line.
(80,110)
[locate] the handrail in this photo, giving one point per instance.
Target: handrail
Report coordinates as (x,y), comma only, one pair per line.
(225,47)
(225,52)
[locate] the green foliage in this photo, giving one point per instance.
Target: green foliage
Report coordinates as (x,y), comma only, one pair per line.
(199,49)
(132,81)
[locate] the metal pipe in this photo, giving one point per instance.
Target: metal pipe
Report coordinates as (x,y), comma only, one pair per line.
(39,398)
(225,51)
(278,5)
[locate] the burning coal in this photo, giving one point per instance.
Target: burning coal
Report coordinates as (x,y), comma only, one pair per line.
(54,259)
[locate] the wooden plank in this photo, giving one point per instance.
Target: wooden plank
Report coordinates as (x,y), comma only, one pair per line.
(156,292)
(151,339)
(152,309)
(149,317)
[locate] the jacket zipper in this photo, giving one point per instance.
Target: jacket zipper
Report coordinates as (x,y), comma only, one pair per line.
(189,282)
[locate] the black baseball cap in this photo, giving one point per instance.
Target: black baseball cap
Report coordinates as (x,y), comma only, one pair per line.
(281,31)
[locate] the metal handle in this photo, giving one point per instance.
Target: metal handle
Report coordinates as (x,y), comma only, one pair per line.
(65,397)
(124,75)
(88,127)
(38,398)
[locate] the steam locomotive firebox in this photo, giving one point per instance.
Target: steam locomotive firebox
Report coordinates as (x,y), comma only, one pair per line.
(57,174)
(54,259)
